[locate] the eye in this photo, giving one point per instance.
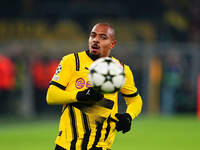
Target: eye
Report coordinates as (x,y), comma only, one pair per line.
(92,35)
(104,37)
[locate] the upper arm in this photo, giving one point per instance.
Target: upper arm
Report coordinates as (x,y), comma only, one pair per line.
(129,89)
(131,95)
(56,93)
(64,71)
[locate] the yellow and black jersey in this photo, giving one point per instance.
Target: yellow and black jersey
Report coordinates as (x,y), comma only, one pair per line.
(85,127)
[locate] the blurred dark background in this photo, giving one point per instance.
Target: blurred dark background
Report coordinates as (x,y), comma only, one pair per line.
(159,39)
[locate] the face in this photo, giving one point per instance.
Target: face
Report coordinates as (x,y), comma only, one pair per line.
(101,40)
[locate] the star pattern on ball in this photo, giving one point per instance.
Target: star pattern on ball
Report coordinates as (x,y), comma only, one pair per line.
(106,75)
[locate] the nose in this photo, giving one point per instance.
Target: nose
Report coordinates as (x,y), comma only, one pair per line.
(96,39)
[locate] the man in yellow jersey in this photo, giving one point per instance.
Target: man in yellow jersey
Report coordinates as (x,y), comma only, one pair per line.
(79,128)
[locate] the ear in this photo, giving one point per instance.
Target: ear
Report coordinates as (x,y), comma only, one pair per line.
(113,44)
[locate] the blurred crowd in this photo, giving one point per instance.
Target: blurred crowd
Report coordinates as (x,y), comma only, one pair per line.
(165,75)
(34,34)
(14,70)
(155,20)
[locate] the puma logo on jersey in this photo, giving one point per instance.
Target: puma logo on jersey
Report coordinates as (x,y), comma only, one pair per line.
(88,92)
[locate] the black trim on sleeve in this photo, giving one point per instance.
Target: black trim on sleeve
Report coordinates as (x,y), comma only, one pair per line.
(77,61)
(58,85)
(131,95)
(107,103)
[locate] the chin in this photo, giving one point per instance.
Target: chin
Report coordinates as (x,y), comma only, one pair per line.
(94,52)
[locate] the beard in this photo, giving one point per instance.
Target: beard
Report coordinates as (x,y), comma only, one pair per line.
(94,55)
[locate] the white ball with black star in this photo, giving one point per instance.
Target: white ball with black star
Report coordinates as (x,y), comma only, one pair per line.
(58,69)
(106,75)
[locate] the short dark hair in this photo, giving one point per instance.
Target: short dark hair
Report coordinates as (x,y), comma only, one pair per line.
(107,25)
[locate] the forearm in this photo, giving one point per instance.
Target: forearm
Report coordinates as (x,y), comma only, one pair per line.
(56,96)
(134,105)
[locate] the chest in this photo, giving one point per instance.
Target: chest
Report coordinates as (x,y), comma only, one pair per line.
(79,79)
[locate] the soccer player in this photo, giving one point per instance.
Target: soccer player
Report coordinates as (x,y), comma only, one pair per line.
(80,129)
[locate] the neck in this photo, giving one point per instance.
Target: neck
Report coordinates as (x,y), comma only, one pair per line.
(92,56)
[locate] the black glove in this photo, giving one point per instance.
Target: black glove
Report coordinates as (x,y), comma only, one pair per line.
(124,123)
(89,95)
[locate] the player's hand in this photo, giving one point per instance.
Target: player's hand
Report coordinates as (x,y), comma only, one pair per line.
(124,123)
(89,95)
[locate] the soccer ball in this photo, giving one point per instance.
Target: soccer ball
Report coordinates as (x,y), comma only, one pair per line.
(106,75)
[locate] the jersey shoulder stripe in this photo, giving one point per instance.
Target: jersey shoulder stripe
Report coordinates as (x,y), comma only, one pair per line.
(77,61)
